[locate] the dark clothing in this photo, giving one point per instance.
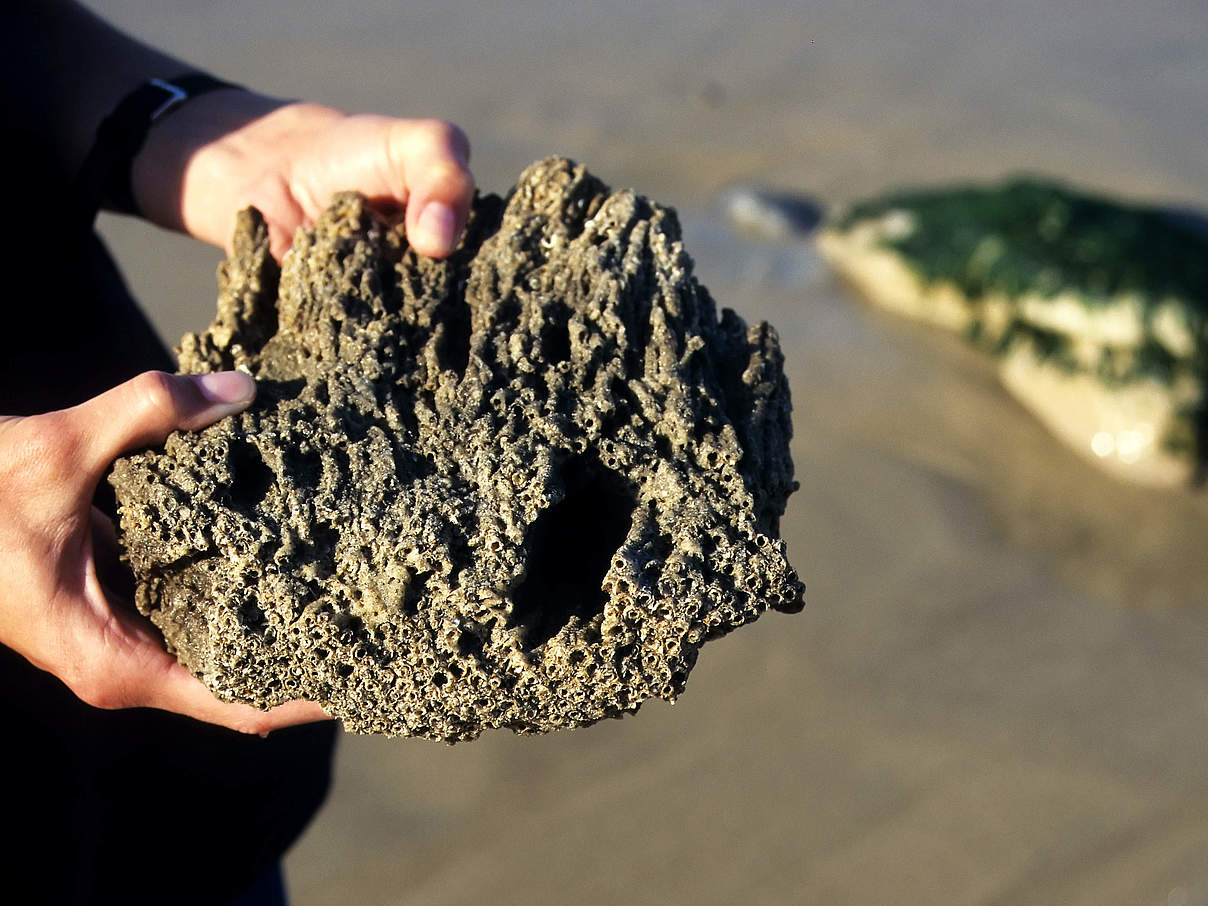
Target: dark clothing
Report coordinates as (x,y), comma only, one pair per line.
(135,806)
(142,806)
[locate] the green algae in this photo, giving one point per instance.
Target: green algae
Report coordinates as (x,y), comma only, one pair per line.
(1031,236)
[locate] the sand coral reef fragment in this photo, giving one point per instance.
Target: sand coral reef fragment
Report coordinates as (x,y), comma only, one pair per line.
(517,488)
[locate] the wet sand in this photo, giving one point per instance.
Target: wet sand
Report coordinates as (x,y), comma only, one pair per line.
(998,691)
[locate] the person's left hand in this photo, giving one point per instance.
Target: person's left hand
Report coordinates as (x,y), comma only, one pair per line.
(61,606)
(229,149)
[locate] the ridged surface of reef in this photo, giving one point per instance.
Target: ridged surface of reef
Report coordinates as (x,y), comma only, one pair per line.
(517,488)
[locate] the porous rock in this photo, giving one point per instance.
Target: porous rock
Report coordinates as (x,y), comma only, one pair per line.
(518,488)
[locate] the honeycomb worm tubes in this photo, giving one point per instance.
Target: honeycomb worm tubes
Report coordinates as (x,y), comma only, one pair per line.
(518,488)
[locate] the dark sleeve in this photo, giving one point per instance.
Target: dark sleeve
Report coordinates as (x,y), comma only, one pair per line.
(135,806)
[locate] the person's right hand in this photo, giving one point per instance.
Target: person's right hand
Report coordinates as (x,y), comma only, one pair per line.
(55,609)
(229,149)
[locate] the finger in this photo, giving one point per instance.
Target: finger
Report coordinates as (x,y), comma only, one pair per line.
(434,159)
(118,661)
(146,409)
(182,693)
(280,240)
(131,670)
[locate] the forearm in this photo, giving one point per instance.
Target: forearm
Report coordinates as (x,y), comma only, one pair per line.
(223,150)
(73,70)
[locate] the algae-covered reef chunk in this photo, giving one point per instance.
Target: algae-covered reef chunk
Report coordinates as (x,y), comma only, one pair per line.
(519,487)
(1097,309)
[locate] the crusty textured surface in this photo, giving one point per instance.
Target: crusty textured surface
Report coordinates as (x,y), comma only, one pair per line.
(516,488)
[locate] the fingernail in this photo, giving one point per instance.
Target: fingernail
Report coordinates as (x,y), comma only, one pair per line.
(434,229)
(226,388)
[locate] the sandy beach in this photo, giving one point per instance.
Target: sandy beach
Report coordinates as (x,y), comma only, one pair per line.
(998,690)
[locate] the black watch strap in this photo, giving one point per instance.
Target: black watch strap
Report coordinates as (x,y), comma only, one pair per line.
(104,178)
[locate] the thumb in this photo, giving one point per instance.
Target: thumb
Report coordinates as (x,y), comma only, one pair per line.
(143,411)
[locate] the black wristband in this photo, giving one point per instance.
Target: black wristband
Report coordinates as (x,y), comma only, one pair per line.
(104,178)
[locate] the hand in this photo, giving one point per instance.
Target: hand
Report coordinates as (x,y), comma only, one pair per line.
(228,149)
(56,607)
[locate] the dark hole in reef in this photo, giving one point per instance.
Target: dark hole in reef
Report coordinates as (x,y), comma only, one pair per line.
(323,540)
(305,466)
(354,422)
(555,333)
(251,478)
(624,397)
(324,537)
(343,465)
(569,549)
(415,591)
(252,617)
(469,643)
(453,352)
(662,447)
(404,403)
(414,463)
(268,390)
(350,624)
